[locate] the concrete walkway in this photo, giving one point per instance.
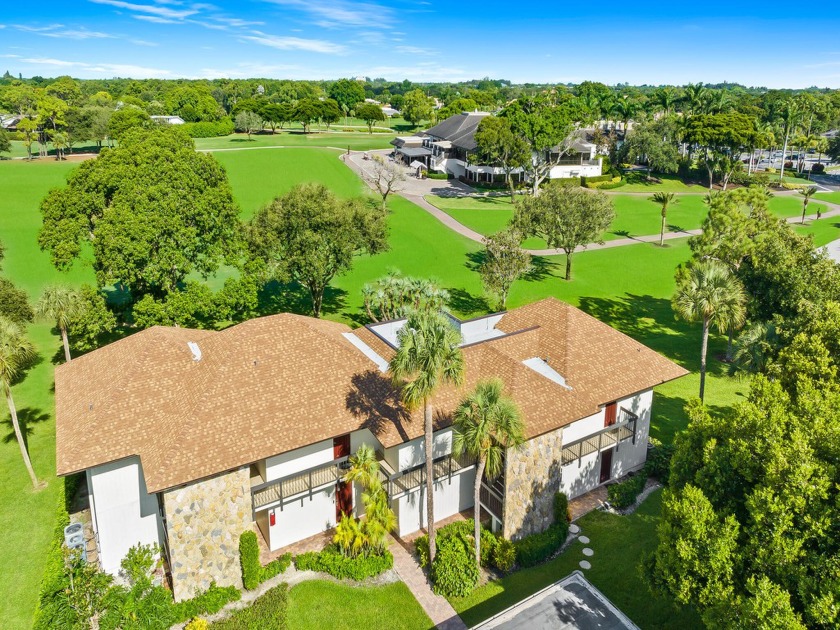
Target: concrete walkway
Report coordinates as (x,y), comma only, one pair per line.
(439,610)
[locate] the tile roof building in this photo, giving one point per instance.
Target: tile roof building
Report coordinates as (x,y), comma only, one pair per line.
(241,425)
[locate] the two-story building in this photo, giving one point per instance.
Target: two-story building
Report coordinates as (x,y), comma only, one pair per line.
(189,437)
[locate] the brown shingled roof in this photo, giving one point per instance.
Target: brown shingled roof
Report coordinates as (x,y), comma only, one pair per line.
(277,383)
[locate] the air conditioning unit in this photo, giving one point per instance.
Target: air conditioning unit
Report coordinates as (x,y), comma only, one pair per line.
(72,530)
(77,542)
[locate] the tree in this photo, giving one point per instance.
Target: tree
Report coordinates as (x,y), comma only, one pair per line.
(394,296)
(309,235)
(329,112)
(385,176)
(59,141)
(347,93)
(807,193)
(711,294)
(428,356)
(28,128)
(722,136)
(789,116)
(193,103)
(487,424)
(127,119)
(91,322)
(379,520)
(5,142)
(833,151)
(16,354)
(655,144)
(14,302)
(274,115)
(306,111)
(370,113)
(566,217)
(153,209)
(416,107)
(61,305)
(664,199)
(249,122)
(497,144)
(504,263)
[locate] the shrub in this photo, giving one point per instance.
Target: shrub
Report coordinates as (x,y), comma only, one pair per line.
(818,168)
(223,127)
(789,186)
(561,508)
(504,555)
(585,181)
(623,495)
(249,558)
(489,542)
(268,612)
(565,181)
(333,562)
(454,572)
(438,175)
(788,164)
(209,602)
(658,463)
(770,170)
(197,624)
(614,183)
(537,548)
(275,567)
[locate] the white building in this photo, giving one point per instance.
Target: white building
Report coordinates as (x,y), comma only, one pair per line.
(189,437)
(168,120)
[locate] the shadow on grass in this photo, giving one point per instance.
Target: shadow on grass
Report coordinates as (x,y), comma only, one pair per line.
(466,304)
(668,416)
(27,418)
(277,297)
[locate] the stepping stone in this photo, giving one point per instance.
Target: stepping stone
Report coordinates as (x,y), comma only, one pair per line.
(588,552)
(574,529)
(584,540)
(585,565)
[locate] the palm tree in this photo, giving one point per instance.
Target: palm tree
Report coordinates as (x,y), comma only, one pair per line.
(16,352)
(710,294)
(695,97)
(806,193)
(789,116)
(625,109)
(487,423)
(428,356)
(61,305)
(664,199)
(379,518)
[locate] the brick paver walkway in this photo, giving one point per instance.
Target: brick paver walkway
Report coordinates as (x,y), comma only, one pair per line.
(439,610)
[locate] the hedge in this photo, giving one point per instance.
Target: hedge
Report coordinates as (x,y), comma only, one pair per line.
(209,602)
(333,562)
(268,612)
(454,572)
(538,548)
(595,179)
(616,182)
(438,175)
(623,495)
(565,181)
(253,573)
(223,127)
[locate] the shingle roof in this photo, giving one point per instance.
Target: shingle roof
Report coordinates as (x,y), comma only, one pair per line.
(459,129)
(277,383)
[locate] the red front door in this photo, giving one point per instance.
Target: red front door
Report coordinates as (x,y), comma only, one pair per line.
(343,499)
(606,465)
(610,413)
(341,446)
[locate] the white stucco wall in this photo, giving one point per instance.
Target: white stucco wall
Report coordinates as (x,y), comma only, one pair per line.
(583,476)
(357,438)
(411,453)
(575,170)
(298,460)
(451,496)
(125,513)
(301,518)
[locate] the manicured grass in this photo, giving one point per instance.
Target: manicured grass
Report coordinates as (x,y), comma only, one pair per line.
(831,197)
(636,182)
(356,141)
(320,604)
(619,542)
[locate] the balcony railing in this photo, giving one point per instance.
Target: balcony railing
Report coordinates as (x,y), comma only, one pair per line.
(444,467)
(491,501)
(304,482)
(576,162)
(613,435)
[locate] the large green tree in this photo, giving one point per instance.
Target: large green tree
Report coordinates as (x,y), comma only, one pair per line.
(504,263)
(567,218)
(154,210)
(309,235)
(416,107)
(655,144)
(499,146)
(722,138)
(60,305)
(428,357)
(371,114)
(487,424)
(347,93)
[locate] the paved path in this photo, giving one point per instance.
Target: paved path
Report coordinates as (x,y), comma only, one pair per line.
(439,610)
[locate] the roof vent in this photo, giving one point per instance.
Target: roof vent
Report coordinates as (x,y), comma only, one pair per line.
(196,351)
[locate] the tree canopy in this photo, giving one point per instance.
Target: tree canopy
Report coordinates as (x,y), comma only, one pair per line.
(154,210)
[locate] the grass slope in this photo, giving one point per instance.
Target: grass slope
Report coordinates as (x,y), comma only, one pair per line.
(619,542)
(321,604)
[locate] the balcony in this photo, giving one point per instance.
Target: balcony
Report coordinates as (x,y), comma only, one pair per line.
(622,431)
(492,501)
(444,467)
(305,482)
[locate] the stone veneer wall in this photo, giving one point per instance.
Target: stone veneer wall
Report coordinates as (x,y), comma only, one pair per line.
(204,521)
(532,477)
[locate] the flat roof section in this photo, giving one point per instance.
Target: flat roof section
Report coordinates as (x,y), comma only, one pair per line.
(570,604)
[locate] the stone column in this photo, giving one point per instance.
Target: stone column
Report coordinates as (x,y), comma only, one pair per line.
(204,520)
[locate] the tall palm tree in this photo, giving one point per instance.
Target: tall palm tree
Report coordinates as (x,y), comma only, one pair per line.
(695,96)
(625,109)
(789,116)
(61,305)
(16,352)
(428,356)
(664,199)
(806,193)
(487,423)
(711,294)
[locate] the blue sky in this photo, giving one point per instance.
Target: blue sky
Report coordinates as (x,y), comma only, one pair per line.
(522,41)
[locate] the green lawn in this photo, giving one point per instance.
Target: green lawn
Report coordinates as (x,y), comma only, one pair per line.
(635,215)
(619,542)
(831,197)
(627,287)
(636,182)
(356,141)
(320,604)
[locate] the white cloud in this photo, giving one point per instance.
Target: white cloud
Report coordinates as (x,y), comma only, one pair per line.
(154,19)
(248,71)
(151,9)
(338,13)
(236,22)
(427,71)
(142,42)
(294,43)
(59,31)
(110,69)
(415,50)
